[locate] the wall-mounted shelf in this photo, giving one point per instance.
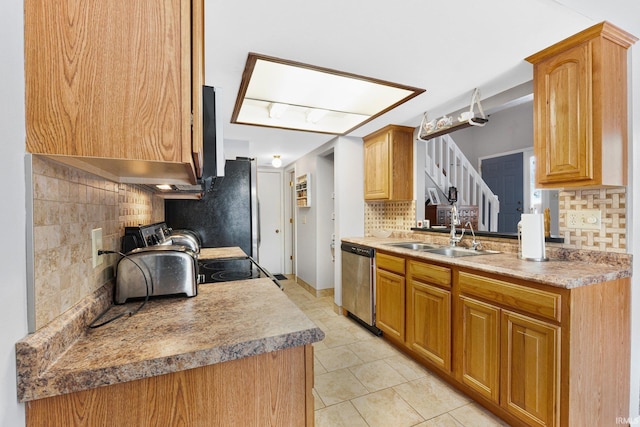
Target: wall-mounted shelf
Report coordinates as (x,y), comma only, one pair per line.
(303,197)
(452,128)
(445,125)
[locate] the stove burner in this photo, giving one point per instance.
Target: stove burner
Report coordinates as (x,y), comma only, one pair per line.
(231,275)
(212,265)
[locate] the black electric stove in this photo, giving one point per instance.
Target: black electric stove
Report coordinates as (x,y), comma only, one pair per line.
(232,269)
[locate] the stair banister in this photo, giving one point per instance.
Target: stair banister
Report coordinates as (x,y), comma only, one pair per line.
(447,166)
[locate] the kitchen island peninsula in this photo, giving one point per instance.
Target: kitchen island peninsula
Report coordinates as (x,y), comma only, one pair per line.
(239,353)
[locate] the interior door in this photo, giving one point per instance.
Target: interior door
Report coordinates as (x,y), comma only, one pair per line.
(505,177)
(271,253)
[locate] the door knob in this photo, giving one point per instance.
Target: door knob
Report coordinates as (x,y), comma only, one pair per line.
(519,209)
(277,231)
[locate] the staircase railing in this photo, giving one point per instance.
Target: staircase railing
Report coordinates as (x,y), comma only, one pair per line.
(448,167)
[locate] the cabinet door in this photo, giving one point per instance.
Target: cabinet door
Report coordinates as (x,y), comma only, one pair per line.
(563,117)
(429,323)
(376,167)
(479,352)
(530,375)
(390,297)
(109,79)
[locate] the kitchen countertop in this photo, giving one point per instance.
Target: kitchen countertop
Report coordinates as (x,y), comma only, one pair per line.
(567,272)
(225,321)
(220,253)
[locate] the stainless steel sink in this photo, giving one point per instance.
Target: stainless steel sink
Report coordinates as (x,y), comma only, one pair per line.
(450,251)
(415,246)
(454,251)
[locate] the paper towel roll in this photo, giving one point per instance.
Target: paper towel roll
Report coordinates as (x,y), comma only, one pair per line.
(532,242)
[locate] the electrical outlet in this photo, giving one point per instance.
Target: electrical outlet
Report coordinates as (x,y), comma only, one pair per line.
(585,219)
(96,244)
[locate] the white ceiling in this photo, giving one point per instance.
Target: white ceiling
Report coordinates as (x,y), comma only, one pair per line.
(446,47)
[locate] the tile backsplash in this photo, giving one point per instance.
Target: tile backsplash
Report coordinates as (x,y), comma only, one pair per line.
(67,204)
(612,203)
(394,216)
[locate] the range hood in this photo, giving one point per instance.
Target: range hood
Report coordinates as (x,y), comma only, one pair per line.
(212,146)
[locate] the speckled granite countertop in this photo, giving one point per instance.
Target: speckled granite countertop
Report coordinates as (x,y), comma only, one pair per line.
(225,321)
(563,270)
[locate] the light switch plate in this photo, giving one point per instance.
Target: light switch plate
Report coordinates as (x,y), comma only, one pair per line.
(585,219)
(96,244)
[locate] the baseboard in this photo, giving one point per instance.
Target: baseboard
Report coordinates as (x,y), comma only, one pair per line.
(318,293)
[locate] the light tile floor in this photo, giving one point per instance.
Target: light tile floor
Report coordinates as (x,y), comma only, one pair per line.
(361,380)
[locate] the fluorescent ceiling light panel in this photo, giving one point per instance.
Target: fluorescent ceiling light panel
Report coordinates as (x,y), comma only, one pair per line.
(312,98)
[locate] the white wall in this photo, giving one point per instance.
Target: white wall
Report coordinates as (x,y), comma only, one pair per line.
(13,305)
(306,245)
(325,208)
(349,202)
(634,236)
(507,130)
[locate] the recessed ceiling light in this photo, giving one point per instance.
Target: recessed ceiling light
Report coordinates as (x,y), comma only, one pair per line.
(291,95)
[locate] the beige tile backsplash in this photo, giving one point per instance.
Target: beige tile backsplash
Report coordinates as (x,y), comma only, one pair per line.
(394,216)
(612,203)
(67,205)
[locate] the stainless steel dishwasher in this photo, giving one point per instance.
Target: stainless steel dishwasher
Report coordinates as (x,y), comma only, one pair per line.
(358,284)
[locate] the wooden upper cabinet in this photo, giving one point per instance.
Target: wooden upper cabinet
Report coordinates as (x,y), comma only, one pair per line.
(388,164)
(580,109)
(110,84)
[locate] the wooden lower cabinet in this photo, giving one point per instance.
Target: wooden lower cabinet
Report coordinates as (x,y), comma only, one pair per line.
(479,363)
(428,317)
(429,323)
(390,295)
(533,354)
(530,377)
(271,389)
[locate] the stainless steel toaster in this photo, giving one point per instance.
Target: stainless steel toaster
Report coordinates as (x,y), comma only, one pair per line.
(156,270)
(185,238)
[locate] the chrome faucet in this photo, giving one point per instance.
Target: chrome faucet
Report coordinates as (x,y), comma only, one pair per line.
(474,243)
(455,220)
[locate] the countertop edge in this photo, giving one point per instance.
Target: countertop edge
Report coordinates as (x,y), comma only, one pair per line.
(53,382)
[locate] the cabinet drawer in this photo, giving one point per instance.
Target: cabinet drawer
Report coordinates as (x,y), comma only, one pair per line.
(430,273)
(522,298)
(390,263)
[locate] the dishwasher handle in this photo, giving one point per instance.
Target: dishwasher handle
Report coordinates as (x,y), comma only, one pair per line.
(364,251)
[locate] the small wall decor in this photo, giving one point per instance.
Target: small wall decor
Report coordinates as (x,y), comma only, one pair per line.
(432,193)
